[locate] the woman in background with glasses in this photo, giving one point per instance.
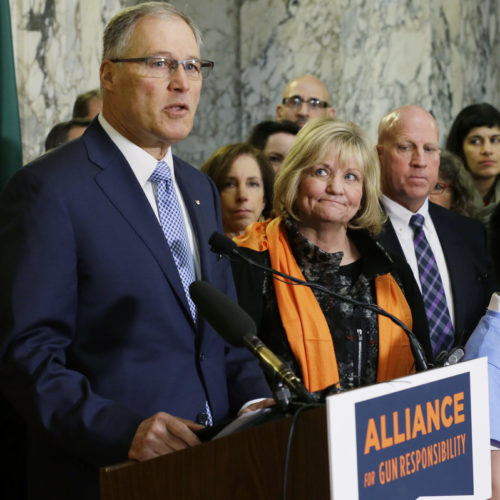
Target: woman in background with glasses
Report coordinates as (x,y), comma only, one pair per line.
(455,189)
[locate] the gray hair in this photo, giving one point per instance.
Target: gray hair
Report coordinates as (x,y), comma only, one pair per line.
(119,30)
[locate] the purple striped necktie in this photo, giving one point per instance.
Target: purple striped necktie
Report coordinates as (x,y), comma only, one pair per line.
(436,309)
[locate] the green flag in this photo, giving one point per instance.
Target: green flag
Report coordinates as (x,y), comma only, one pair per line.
(10,130)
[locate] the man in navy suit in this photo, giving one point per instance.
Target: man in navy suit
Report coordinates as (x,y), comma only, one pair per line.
(101,353)
(409,159)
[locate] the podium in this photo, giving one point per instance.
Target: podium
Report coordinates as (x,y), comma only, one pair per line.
(420,436)
(247,465)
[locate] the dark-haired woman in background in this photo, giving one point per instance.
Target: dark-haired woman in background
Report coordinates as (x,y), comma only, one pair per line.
(455,189)
(475,137)
(244,179)
(274,138)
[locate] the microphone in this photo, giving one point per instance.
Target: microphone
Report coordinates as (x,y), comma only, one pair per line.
(221,244)
(447,358)
(239,329)
(455,356)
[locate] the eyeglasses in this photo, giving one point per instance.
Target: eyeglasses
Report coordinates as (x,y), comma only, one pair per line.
(440,188)
(296,102)
(164,67)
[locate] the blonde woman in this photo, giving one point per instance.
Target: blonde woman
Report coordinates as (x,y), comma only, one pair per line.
(326,194)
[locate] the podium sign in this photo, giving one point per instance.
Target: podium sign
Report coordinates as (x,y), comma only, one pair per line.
(421,436)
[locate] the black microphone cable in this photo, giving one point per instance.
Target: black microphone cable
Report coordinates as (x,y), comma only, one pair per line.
(222,245)
(291,432)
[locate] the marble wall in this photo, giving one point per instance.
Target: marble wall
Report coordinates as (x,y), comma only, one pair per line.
(372,54)
(57,48)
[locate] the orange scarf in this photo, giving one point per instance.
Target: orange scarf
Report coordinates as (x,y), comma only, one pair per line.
(305,325)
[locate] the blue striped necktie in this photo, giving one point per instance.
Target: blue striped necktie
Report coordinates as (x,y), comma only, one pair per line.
(436,309)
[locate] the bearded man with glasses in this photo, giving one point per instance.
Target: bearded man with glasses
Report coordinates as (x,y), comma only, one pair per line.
(103,352)
(305,97)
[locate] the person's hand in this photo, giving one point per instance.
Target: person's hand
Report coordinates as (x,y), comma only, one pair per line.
(161,434)
(265,403)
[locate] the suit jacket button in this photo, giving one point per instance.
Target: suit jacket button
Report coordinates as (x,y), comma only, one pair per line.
(202,418)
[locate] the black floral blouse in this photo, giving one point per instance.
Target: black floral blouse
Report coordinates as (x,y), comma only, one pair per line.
(354,329)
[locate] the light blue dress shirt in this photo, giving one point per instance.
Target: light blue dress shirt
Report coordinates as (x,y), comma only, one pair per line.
(485,341)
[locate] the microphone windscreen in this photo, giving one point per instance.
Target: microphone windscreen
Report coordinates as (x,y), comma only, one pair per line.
(225,316)
(456,355)
(221,244)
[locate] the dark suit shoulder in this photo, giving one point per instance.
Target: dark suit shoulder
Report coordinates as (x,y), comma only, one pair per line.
(66,157)
(441,214)
(461,237)
(192,174)
(180,163)
(72,163)
(464,243)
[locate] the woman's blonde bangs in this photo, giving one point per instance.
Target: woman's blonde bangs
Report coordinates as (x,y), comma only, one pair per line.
(324,137)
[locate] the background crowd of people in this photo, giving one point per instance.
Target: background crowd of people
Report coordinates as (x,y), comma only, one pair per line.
(103,351)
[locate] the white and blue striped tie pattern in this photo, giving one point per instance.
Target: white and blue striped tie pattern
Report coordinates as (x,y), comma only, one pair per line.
(172,224)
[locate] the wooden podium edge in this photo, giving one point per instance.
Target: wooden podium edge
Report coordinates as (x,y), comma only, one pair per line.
(245,465)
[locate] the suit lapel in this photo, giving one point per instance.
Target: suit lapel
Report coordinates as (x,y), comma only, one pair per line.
(120,185)
(447,234)
(389,239)
(196,205)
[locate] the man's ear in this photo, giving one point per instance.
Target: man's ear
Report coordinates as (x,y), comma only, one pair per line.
(106,74)
(331,113)
(279,112)
(380,151)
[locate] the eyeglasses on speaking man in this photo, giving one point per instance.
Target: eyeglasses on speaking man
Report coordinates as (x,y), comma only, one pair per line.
(165,67)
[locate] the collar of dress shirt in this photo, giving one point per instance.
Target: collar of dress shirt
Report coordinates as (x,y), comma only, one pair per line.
(399,215)
(400,220)
(141,162)
(494,304)
(143,165)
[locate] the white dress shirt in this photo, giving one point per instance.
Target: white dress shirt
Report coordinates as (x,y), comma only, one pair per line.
(400,219)
(143,165)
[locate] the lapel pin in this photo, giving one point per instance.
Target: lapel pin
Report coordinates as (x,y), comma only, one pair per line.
(197,202)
